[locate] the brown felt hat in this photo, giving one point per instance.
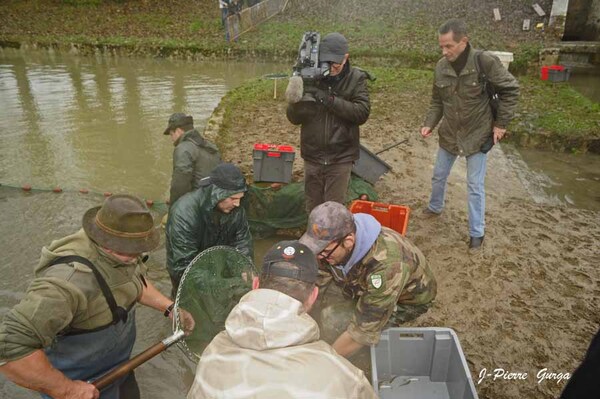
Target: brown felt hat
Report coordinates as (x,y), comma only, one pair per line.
(123,224)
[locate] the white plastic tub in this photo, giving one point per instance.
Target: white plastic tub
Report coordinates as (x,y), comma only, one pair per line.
(421,363)
(505,57)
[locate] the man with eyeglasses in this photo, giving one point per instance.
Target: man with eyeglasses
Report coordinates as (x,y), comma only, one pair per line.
(330,113)
(384,273)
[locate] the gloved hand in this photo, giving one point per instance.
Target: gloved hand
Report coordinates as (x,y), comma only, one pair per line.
(322,96)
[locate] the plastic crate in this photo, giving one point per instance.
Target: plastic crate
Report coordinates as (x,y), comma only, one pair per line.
(559,75)
(273,163)
(421,363)
(369,166)
(555,73)
(393,216)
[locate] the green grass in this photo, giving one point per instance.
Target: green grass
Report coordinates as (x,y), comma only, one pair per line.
(254,92)
(82,2)
(556,108)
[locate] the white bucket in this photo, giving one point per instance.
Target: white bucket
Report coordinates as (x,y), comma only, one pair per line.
(505,57)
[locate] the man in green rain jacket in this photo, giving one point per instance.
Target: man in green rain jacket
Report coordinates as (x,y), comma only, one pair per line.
(206,217)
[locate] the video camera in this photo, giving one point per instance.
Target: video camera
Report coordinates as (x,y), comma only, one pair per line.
(308,66)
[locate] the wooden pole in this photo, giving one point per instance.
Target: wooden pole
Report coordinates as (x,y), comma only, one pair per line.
(125,368)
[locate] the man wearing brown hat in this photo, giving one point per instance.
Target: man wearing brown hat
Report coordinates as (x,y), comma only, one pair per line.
(206,217)
(384,273)
(271,347)
(77,319)
(330,113)
(193,157)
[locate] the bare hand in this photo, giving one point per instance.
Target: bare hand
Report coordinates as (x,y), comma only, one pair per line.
(186,320)
(80,390)
(499,133)
(425,131)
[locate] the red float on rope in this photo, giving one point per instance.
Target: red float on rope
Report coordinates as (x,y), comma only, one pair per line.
(149,202)
(26,187)
(107,193)
(84,190)
(57,190)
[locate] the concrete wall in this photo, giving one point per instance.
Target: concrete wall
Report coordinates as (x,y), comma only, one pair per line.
(593,22)
(583,20)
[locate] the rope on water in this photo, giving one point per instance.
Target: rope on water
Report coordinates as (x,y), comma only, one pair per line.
(158,205)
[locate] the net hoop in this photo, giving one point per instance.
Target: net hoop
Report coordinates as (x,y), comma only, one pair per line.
(196,263)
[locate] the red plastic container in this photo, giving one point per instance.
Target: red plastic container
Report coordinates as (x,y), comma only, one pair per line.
(393,216)
(546,69)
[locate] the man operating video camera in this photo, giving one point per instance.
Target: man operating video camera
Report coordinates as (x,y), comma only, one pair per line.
(330,100)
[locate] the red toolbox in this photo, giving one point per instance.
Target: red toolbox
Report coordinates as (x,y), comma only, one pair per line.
(555,73)
(273,163)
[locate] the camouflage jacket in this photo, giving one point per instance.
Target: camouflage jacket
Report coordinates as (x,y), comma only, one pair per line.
(394,271)
(271,349)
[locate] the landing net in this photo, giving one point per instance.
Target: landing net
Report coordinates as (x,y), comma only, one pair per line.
(210,287)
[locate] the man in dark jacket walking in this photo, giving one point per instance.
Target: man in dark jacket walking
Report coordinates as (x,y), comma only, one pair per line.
(330,113)
(206,217)
(193,157)
(460,98)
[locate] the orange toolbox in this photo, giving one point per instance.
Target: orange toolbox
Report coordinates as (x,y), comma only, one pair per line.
(393,216)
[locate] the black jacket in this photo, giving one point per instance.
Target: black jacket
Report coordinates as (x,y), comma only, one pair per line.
(330,134)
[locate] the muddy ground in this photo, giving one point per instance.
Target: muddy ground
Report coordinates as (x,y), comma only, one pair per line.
(529,302)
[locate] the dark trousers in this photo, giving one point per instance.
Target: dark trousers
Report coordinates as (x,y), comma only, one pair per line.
(585,381)
(325,183)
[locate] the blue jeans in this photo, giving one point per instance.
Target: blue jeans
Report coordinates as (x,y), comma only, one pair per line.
(224,15)
(476,165)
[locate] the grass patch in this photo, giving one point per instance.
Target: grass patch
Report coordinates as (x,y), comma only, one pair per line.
(556,108)
(252,92)
(82,2)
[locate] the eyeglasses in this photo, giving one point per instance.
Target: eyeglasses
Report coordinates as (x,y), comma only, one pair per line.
(326,254)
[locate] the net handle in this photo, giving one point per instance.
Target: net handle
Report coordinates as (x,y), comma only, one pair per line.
(178,334)
(125,368)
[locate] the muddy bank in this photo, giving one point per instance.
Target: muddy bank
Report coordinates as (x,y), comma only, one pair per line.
(190,52)
(527,303)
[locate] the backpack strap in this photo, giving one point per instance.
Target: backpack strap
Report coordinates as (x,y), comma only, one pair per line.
(118,313)
(488,87)
(482,76)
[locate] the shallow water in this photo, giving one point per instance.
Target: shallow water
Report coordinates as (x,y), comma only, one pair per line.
(558,178)
(97,123)
(587,83)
